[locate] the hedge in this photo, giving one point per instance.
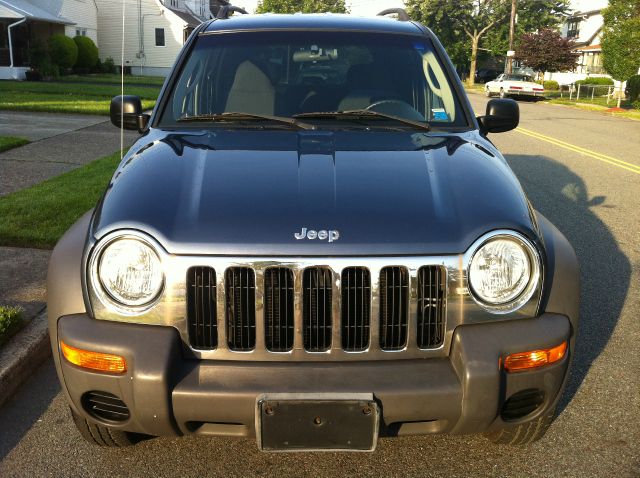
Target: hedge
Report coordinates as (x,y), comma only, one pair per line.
(63,51)
(595,81)
(633,88)
(87,52)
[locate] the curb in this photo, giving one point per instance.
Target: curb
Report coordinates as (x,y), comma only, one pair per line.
(22,356)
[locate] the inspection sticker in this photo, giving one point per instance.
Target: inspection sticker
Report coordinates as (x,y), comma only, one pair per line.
(439,114)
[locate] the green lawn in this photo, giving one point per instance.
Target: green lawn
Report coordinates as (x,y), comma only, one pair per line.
(63,97)
(113,79)
(10,142)
(11,320)
(39,215)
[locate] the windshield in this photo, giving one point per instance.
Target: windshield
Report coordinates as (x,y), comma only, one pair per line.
(292,73)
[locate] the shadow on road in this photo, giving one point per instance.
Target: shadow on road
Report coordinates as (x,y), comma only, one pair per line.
(560,195)
(24,410)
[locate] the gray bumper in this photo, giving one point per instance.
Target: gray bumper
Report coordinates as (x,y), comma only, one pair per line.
(168,394)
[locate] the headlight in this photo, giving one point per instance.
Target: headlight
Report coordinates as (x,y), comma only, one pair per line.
(130,272)
(504,272)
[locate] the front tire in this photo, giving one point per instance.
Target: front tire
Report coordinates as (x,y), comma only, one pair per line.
(502,93)
(523,434)
(104,436)
(487,92)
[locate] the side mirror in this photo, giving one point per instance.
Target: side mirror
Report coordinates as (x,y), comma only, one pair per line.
(502,115)
(126,112)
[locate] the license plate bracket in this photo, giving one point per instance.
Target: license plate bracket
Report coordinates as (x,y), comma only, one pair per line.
(317,423)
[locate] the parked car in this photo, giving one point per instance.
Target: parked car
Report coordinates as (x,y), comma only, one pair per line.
(313,264)
(507,85)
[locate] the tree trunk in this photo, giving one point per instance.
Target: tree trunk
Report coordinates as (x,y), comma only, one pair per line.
(474,59)
(620,93)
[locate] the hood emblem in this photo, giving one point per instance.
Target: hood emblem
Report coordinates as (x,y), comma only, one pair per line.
(323,235)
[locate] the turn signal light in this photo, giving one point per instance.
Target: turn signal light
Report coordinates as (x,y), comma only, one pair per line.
(97,361)
(522,361)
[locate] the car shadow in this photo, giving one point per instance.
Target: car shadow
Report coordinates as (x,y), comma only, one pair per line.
(605,271)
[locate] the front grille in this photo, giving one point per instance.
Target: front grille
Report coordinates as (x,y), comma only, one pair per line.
(201,307)
(356,308)
(105,406)
(240,288)
(394,308)
(278,309)
(283,310)
(317,303)
(431,290)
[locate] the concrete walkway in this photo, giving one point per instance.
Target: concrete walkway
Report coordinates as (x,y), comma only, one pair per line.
(35,125)
(46,158)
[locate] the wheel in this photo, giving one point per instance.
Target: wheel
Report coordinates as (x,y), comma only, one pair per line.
(523,434)
(487,92)
(104,436)
(502,93)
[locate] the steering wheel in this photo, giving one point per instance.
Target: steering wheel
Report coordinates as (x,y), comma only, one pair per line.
(399,108)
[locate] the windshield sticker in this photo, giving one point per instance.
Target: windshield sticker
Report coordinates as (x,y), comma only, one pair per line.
(439,114)
(421,47)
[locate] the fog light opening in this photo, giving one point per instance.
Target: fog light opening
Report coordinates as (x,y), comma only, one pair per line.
(522,361)
(521,404)
(97,361)
(105,406)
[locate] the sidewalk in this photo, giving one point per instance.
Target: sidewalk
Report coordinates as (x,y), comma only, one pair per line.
(23,271)
(28,165)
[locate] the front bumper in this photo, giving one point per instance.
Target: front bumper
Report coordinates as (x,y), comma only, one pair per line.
(168,394)
(536,94)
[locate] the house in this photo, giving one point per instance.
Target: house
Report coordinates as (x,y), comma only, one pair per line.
(23,22)
(155,31)
(584,27)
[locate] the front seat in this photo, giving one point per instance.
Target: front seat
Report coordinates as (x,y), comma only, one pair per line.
(251,91)
(367,84)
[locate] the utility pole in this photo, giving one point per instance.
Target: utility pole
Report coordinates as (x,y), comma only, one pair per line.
(512,26)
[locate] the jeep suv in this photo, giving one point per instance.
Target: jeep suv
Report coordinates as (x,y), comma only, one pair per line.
(313,244)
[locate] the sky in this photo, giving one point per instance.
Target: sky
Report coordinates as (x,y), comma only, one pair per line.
(357,7)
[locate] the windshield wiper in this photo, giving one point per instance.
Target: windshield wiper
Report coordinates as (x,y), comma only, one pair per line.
(363,114)
(230,117)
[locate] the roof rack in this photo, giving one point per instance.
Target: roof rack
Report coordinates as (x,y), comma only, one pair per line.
(226,11)
(403,16)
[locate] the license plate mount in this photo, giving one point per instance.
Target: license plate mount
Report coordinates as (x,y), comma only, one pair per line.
(317,423)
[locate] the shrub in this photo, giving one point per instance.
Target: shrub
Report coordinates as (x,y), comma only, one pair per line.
(40,61)
(87,52)
(595,81)
(633,88)
(63,51)
(10,322)
(551,85)
(108,66)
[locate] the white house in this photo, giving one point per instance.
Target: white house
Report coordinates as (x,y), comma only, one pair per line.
(24,21)
(155,31)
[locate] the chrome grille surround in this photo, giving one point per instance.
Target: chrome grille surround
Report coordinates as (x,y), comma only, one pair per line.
(170,309)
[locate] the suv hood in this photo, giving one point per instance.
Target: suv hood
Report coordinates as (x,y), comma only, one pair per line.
(407,194)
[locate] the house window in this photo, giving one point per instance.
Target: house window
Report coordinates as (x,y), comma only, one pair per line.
(573,28)
(81,32)
(160,37)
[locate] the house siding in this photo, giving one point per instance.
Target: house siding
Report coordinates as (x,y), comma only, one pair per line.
(142,17)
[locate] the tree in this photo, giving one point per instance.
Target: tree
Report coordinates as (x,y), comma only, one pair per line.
(621,40)
(304,6)
(462,24)
(546,50)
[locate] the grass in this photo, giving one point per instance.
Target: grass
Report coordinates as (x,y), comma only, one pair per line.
(111,79)
(38,216)
(11,320)
(61,97)
(10,142)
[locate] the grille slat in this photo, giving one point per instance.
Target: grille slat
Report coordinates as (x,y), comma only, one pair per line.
(394,307)
(278,293)
(202,308)
(431,304)
(240,288)
(317,304)
(356,308)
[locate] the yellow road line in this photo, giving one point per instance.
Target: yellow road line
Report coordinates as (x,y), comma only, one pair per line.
(577,149)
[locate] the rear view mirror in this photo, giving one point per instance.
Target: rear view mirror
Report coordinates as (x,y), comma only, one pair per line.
(126,112)
(502,115)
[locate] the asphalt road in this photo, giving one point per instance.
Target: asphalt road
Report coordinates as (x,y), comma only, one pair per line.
(592,195)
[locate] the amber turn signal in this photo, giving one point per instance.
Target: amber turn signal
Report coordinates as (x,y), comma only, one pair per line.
(522,361)
(97,361)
